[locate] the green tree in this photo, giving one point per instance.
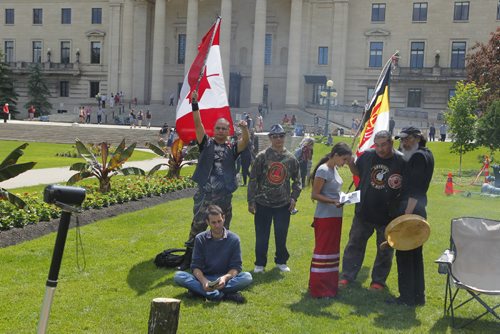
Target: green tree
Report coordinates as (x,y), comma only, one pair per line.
(7,91)
(461,118)
(488,128)
(483,68)
(38,92)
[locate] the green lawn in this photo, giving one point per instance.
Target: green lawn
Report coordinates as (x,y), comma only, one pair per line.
(45,153)
(113,293)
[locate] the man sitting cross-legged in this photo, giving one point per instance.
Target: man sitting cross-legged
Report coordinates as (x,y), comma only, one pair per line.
(216,256)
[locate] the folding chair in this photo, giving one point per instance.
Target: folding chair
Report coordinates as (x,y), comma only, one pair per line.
(472,264)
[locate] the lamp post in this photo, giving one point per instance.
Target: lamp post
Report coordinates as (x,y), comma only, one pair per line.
(328,94)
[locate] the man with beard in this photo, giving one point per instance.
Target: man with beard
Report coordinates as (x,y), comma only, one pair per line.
(215,173)
(380,173)
(416,179)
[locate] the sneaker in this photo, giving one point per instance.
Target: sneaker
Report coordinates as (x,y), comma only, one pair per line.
(235,297)
(258,269)
(343,283)
(283,267)
(376,286)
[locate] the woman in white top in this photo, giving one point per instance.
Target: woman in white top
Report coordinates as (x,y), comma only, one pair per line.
(327,184)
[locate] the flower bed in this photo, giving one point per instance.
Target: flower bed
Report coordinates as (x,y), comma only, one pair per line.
(124,190)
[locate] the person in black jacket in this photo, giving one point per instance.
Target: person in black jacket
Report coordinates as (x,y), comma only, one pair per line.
(416,179)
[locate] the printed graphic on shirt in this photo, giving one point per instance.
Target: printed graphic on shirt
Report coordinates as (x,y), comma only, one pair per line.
(395,181)
(276,173)
(377,176)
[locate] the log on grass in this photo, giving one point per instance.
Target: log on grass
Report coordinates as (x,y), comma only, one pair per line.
(164,316)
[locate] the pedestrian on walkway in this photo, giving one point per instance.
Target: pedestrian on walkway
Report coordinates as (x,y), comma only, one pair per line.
(132,118)
(99,115)
(88,111)
(5,112)
(140,117)
(148,119)
(31,112)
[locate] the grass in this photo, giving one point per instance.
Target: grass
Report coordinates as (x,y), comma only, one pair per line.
(45,153)
(113,293)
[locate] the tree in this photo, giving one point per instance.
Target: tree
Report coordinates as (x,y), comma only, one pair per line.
(38,92)
(488,128)
(7,92)
(107,169)
(483,68)
(461,118)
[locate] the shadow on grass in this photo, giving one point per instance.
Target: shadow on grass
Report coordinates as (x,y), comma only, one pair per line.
(314,306)
(267,277)
(143,275)
(480,326)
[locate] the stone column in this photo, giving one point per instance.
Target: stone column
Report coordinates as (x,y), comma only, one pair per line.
(158,52)
(139,51)
(294,52)
(127,50)
(339,46)
(191,34)
(259,35)
(225,40)
(113,41)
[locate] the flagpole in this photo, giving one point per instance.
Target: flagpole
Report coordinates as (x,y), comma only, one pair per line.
(202,70)
(382,74)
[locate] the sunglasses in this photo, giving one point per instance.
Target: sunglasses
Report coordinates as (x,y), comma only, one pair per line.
(276,136)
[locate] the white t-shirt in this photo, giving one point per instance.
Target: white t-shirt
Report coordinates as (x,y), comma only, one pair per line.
(331,189)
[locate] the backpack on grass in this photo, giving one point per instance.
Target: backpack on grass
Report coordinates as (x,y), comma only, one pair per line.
(170,258)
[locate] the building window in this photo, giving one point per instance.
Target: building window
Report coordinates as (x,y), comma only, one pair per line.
(376,49)
(458,55)
(419,12)
(323,55)
(369,93)
(378,12)
(417,55)
(95,52)
(9,16)
(94,88)
(268,49)
(66,16)
(37,51)
(65,52)
(461,11)
(64,89)
(9,51)
(96,15)
(451,93)
(37,16)
(181,49)
(498,10)
(414,97)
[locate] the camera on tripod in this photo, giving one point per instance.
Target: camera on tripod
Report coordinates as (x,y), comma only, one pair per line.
(72,196)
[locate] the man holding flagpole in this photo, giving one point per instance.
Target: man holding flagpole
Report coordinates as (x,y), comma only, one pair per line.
(203,115)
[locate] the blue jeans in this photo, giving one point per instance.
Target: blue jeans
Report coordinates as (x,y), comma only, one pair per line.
(237,283)
(263,219)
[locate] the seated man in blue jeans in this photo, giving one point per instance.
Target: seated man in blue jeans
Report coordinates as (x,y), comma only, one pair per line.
(216,257)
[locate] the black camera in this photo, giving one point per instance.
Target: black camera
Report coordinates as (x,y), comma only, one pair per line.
(63,194)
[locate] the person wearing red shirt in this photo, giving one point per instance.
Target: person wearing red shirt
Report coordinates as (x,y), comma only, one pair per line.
(5,112)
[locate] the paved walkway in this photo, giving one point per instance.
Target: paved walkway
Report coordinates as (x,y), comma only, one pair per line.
(62,174)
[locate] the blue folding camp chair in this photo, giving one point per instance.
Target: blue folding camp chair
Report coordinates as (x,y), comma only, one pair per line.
(472,264)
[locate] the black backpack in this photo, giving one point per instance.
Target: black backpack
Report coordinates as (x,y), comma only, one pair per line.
(170,258)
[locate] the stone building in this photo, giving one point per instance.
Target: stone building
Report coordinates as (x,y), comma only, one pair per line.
(276,52)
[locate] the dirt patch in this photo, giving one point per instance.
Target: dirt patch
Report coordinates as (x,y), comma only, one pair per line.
(30,232)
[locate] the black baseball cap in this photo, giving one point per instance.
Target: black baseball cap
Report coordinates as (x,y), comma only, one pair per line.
(409,131)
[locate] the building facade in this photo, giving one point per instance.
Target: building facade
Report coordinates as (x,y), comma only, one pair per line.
(276,52)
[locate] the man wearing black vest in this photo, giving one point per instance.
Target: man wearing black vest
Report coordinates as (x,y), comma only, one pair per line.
(416,179)
(380,172)
(215,173)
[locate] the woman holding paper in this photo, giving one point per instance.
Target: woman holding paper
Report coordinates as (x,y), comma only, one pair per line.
(327,185)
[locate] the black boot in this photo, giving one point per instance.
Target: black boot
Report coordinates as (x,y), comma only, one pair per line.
(186,262)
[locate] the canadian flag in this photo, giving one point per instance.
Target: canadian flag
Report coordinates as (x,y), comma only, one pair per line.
(205,76)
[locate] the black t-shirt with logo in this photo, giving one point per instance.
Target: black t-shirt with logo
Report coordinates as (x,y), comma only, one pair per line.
(380,185)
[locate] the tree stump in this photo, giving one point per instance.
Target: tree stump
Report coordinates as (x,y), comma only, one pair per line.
(164,316)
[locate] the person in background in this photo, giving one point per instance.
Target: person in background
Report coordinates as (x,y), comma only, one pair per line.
(304,154)
(31,112)
(327,185)
(392,124)
(432,133)
(442,131)
(216,258)
(5,112)
(273,191)
(132,118)
(148,119)
(140,117)
(417,177)
(293,120)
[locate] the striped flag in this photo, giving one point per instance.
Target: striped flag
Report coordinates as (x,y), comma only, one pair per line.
(376,117)
(205,76)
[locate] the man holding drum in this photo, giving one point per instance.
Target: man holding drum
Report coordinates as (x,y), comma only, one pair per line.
(416,179)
